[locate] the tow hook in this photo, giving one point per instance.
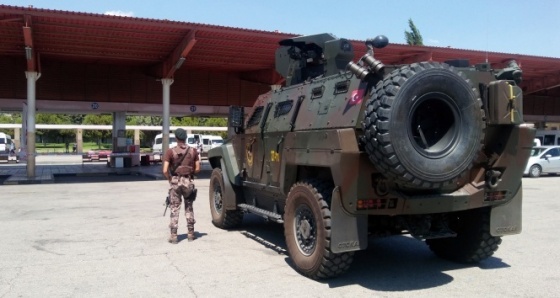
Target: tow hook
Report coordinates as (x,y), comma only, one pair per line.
(492,178)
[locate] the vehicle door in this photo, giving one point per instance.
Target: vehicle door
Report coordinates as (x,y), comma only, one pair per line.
(206,144)
(281,121)
(254,151)
(552,163)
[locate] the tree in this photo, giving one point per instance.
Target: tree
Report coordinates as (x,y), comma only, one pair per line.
(146,136)
(98,135)
(413,37)
(200,121)
(10,118)
(53,135)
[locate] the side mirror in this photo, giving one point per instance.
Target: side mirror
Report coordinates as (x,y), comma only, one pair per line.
(547,156)
(235,118)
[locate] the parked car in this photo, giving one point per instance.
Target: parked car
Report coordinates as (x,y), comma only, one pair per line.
(96,155)
(216,141)
(543,160)
(156,148)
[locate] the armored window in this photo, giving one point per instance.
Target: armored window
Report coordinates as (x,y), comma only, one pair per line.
(283,108)
(317,92)
(341,87)
(255,117)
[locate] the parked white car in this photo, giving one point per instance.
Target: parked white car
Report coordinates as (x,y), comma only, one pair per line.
(191,141)
(209,142)
(156,148)
(543,160)
(216,141)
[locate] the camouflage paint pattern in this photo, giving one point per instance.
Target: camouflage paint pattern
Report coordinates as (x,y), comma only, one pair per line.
(312,127)
(181,187)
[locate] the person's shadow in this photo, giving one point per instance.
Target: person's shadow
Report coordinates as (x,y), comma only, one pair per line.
(197,235)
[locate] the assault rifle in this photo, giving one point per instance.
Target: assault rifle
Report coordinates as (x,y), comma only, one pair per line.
(166,205)
(192,197)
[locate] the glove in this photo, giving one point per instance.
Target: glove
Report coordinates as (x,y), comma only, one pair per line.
(192,197)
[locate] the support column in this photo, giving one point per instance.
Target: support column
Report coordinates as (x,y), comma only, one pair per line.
(119,132)
(32,77)
(137,137)
(79,140)
(119,138)
(165,127)
(17,137)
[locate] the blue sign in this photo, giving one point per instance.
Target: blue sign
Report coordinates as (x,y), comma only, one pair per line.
(95,106)
(192,108)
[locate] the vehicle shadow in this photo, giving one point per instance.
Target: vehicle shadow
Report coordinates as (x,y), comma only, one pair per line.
(269,234)
(398,263)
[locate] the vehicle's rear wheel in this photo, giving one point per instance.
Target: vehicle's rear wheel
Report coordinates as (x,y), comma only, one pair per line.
(307,228)
(535,171)
(221,218)
(473,242)
(424,126)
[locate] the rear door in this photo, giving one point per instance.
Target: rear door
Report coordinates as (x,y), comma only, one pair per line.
(206,143)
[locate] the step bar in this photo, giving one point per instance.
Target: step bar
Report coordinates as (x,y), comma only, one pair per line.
(261,212)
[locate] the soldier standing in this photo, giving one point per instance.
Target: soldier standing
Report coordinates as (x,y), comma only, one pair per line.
(179,166)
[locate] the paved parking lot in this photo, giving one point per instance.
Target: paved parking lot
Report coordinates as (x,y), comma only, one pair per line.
(95,238)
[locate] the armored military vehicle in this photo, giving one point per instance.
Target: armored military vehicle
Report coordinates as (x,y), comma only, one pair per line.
(351,149)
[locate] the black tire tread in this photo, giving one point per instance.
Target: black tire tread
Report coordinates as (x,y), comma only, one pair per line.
(332,264)
(473,243)
(231,218)
(376,127)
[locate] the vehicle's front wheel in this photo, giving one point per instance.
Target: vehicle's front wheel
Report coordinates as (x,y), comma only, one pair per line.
(221,218)
(307,228)
(473,242)
(535,171)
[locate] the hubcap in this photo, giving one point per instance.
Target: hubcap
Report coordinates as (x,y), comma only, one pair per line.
(536,171)
(218,204)
(305,230)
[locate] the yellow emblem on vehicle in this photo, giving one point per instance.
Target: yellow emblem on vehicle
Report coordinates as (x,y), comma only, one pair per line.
(249,155)
(274,156)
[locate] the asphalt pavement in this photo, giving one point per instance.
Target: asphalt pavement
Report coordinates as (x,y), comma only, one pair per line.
(108,239)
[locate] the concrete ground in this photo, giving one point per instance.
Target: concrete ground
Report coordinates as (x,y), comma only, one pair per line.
(97,237)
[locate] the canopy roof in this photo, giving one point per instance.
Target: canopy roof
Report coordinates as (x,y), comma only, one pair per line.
(163,45)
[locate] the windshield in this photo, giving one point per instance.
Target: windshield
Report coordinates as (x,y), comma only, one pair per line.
(171,140)
(537,151)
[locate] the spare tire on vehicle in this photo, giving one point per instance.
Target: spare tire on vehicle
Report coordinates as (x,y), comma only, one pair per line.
(424,126)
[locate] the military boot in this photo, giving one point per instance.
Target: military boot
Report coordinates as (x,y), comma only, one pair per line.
(173,237)
(191,236)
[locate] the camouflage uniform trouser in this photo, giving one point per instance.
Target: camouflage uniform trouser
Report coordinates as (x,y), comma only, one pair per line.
(181,187)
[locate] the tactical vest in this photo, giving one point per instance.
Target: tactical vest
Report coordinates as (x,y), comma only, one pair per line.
(186,167)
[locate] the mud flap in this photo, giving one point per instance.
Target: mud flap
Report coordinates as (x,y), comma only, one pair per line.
(348,232)
(506,219)
(229,197)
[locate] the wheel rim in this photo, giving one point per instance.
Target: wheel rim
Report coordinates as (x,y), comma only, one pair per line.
(218,203)
(305,230)
(433,127)
(535,171)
